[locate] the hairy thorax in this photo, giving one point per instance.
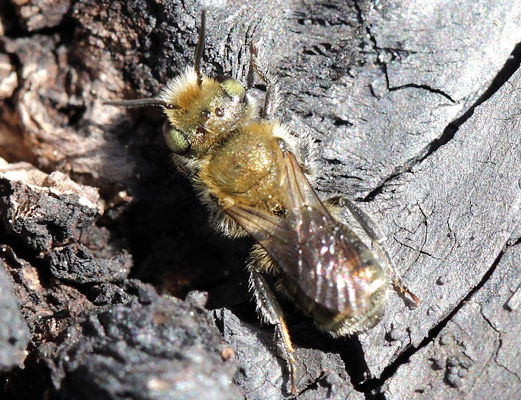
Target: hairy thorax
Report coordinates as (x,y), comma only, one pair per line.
(246,169)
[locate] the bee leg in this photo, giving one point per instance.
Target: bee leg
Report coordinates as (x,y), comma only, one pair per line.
(378,238)
(259,65)
(270,312)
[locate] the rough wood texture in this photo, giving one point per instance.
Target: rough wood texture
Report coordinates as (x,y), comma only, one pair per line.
(415,106)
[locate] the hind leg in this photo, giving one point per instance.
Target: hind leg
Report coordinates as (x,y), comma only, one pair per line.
(377,238)
(270,312)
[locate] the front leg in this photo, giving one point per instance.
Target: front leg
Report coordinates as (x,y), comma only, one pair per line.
(259,65)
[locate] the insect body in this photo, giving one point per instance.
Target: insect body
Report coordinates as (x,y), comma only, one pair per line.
(246,167)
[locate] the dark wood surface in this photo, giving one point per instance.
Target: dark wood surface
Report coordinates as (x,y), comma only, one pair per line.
(416,111)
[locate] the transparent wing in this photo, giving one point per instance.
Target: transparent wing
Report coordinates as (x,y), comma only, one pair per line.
(320,255)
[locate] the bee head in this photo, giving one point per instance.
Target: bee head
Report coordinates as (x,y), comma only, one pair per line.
(202,111)
(201,116)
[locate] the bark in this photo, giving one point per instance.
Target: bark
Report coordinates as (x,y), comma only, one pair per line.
(415,107)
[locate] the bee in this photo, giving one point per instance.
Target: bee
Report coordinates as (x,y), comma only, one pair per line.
(250,171)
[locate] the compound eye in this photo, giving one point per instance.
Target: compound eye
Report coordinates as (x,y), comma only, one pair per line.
(233,89)
(175,139)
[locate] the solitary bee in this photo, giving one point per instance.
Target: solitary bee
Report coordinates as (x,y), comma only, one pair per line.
(251,173)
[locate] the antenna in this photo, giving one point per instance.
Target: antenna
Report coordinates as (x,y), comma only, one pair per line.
(199,50)
(150,102)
